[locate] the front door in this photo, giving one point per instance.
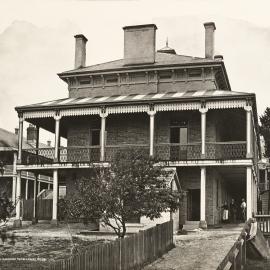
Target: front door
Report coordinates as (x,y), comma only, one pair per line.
(194,204)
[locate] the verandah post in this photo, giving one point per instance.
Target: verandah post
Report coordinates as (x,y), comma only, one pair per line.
(203,223)
(103,114)
(55,197)
(57,119)
(17,221)
(151,113)
(203,112)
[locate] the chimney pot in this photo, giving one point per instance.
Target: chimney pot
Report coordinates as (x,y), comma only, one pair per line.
(80,50)
(16,131)
(139,44)
(218,57)
(209,39)
(31,133)
(49,142)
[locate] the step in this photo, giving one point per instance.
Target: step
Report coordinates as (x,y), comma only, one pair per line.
(191,225)
(192,222)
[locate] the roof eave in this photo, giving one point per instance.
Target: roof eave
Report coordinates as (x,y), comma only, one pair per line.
(71,73)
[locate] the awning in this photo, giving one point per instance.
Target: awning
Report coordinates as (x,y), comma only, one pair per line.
(134,98)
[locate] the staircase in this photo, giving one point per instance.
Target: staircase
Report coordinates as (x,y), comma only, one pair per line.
(191,225)
(45,194)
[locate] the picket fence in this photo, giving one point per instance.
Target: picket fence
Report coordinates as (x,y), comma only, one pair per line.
(129,253)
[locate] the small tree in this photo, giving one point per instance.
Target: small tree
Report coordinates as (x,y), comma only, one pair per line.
(6,208)
(131,186)
(265,130)
(6,205)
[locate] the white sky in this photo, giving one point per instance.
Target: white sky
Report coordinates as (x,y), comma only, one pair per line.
(36,41)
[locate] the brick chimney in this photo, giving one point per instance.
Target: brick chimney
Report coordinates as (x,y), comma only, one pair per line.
(49,143)
(139,44)
(80,51)
(31,133)
(209,39)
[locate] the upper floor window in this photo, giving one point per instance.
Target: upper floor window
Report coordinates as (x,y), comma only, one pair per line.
(111,79)
(97,80)
(85,81)
(95,137)
(137,77)
(165,75)
(195,73)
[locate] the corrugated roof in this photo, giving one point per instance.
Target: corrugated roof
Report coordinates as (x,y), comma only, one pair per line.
(161,59)
(135,98)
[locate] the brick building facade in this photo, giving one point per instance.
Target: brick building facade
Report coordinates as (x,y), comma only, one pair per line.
(180,109)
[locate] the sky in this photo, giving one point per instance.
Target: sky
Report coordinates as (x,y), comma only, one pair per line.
(37,42)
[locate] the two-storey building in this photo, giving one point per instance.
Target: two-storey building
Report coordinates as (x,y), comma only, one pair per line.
(179,109)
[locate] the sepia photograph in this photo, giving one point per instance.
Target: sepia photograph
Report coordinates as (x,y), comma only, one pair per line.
(134,135)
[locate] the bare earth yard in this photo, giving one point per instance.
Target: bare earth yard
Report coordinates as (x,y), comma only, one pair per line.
(40,244)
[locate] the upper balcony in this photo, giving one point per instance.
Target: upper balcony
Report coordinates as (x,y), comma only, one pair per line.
(171,127)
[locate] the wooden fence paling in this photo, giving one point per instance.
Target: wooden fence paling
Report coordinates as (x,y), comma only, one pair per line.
(236,257)
(130,253)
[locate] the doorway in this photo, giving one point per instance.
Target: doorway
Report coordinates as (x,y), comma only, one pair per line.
(178,140)
(193,208)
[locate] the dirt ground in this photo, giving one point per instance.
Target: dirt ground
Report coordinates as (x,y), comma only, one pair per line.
(198,250)
(37,245)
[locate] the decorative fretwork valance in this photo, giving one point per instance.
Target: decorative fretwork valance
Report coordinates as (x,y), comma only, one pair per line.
(119,109)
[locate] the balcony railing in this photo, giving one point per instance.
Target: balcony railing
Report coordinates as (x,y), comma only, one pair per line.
(162,151)
(226,150)
(79,154)
(112,150)
(38,156)
(192,151)
(177,152)
(71,154)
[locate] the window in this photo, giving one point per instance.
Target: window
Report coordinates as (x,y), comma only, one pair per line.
(97,80)
(195,73)
(112,80)
(83,82)
(95,137)
(165,76)
(180,74)
(137,77)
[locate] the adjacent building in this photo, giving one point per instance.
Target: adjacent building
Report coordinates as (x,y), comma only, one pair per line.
(8,156)
(180,109)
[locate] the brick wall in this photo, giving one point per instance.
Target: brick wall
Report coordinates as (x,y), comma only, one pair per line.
(140,88)
(134,128)
(127,129)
